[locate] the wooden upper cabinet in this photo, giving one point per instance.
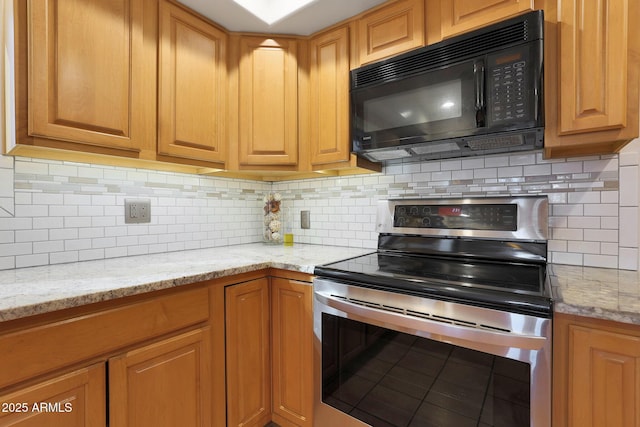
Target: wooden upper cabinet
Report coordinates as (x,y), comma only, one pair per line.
(329,84)
(192,86)
(595,77)
(268,101)
(167,383)
(594,39)
(76,399)
(460,16)
(390,30)
(87,79)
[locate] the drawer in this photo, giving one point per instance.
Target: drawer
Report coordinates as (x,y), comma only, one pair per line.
(34,351)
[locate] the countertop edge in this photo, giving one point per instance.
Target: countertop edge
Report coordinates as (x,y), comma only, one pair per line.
(138,289)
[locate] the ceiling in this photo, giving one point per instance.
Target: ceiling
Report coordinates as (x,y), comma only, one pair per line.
(308,20)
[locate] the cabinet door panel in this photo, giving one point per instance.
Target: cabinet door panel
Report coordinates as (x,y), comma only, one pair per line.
(192,86)
(76,399)
(604,378)
(87,81)
(390,30)
(268,119)
(248,336)
(593,64)
(329,84)
(459,16)
(292,303)
(164,384)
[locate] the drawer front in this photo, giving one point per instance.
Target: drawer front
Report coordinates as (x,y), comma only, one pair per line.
(34,351)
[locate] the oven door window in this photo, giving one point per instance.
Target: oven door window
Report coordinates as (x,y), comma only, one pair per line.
(439,104)
(388,378)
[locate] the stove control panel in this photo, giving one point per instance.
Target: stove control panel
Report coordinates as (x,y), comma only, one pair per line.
(457,216)
(500,217)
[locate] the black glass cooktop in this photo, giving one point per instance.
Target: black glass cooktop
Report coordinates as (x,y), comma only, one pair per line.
(493,284)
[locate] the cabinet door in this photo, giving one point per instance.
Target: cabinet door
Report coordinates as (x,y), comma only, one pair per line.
(248,349)
(593,64)
(164,384)
(605,378)
(268,104)
(88,79)
(292,308)
(70,400)
(390,30)
(595,76)
(192,86)
(596,373)
(329,83)
(459,16)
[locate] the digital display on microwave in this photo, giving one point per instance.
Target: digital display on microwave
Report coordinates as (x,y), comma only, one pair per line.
(507,59)
(469,217)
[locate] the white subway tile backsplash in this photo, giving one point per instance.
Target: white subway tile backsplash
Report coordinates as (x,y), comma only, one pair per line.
(583,222)
(584,197)
(48,246)
(602,209)
(584,247)
(567,258)
(81,207)
(629,181)
(568,167)
(600,235)
(628,258)
(604,261)
(485,173)
(31,235)
(629,227)
(6,183)
(7,262)
(63,257)
(567,210)
(32,260)
(29,167)
(601,165)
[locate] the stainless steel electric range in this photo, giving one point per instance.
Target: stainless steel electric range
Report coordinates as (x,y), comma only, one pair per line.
(447,324)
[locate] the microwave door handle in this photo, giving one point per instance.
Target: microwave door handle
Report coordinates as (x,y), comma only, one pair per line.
(478,73)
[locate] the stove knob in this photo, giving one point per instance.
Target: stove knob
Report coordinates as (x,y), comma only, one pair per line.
(414,210)
(426,221)
(402,221)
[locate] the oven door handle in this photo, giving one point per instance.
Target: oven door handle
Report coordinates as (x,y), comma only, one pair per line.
(440,329)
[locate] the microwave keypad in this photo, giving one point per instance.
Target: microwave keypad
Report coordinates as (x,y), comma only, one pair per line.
(508,92)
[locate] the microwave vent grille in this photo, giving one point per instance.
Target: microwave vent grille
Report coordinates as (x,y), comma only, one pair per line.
(440,54)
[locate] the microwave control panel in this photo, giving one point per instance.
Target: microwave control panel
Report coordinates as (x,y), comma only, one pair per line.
(508,86)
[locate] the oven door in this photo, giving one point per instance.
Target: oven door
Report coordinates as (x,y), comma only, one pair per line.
(386,359)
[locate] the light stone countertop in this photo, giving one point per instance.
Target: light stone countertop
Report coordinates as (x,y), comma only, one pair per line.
(30,291)
(593,292)
(602,293)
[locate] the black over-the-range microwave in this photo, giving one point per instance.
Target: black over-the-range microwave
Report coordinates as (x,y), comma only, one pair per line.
(475,94)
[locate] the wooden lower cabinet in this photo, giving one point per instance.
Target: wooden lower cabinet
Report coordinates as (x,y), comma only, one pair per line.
(163,384)
(596,373)
(248,353)
(217,353)
(269,348)
(292,351)
(141,361)
(75,399)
